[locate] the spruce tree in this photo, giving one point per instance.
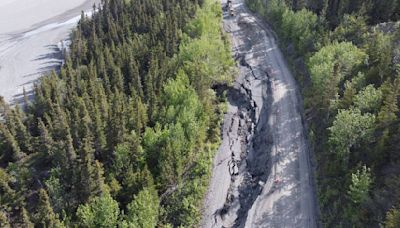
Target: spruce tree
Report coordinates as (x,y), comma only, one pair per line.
(44,214)
(46,143)
(4,220)
(86,183)
(11,150)
(24,219)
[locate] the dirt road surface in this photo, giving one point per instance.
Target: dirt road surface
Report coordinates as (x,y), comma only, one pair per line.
(32,34)
(264,135)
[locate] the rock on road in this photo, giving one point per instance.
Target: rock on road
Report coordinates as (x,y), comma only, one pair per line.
(275,186)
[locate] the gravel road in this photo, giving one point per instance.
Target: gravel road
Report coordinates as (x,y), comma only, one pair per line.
(32,34)
(264,134)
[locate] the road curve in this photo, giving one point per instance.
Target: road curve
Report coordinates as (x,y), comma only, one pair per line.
(274,187)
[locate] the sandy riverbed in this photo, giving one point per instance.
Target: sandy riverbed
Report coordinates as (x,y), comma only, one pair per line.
(31,32)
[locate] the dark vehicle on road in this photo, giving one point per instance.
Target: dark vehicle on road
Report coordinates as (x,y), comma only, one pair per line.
(231,12)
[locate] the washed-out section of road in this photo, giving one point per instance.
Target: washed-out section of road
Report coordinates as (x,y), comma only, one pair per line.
(32,36)
(264,135)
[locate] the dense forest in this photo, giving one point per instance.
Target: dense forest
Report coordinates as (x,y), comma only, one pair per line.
(346,57)
(125,133)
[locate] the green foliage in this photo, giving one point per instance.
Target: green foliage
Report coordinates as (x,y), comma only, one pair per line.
(143,211)
(172,161)
(129,119)
(24,219)
(4,221)
(8,193)
(176,145)
(369,99)
(182,104)
(352,28)
(335,60)
(329,66)
(128,155)
(360,185)
(205,57)
(358,194)
(183,126)
(298,27)
(45,216)
(348,129)
(255,5)
(392,218)
(103,211)
(350,79)
(391,105)
(10,148)
(185,203)
(55,190)
(385,10)
(379,49)
(375,10)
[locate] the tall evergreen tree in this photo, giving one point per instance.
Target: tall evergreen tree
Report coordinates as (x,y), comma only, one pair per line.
(44,214)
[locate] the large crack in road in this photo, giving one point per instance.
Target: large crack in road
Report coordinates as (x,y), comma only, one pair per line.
(262,176)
